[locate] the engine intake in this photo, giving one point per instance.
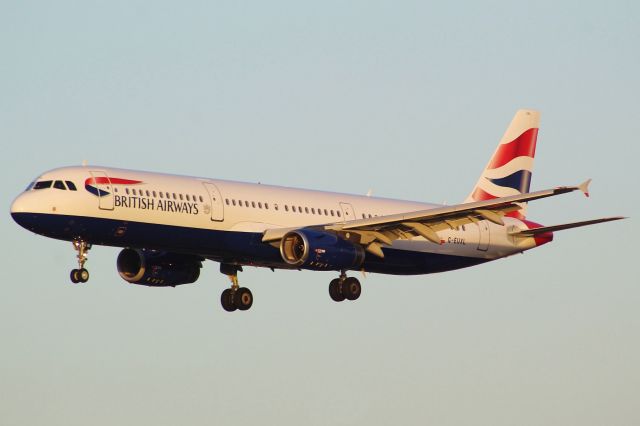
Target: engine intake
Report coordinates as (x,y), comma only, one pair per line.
(319,250)
(158,269)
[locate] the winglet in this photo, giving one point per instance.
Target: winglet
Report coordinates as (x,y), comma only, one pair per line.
(584,187)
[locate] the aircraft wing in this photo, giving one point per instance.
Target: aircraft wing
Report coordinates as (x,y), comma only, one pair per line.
(373,232)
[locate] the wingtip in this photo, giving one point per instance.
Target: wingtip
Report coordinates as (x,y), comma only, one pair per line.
(584,187)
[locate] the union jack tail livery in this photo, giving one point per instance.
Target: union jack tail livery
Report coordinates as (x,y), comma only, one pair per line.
(509,170)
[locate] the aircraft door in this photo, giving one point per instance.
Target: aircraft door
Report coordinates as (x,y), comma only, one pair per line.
(100,185)
(217,206)
(347,212)
(484,235)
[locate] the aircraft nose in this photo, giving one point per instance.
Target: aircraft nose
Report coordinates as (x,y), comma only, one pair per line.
(20,212)
(18,205)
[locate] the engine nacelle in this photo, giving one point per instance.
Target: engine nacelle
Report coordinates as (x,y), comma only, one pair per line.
(319,250)
(158,269)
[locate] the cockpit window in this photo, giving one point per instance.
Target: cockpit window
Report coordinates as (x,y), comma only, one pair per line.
(43,184)
(71,185)
(59,185)
(30,186)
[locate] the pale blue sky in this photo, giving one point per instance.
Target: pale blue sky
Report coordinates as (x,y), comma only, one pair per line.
(406,98)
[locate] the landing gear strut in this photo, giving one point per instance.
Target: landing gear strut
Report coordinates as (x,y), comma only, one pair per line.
(80,275)
(235,297)
(344,288)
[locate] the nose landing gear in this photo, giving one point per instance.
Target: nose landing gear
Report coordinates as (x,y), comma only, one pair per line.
(344,288)
(80,275)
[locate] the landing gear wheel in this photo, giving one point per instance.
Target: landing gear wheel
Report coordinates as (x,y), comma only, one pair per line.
(80,275)
(351,288)
(335,290)
(83,275)
(226,299)
(243,298)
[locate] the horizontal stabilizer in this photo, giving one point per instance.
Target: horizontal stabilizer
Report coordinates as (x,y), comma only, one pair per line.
(536,231)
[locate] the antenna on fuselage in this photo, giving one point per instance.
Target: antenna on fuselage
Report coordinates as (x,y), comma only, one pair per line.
(84,163)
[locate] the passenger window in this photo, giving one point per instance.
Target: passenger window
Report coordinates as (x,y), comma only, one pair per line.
(306,210)
(226,200)
(299,209)
(313,211)
(181,198)
(266,206)
(188,197)
(286,208)
(259,205)
(246,203)
(161,194)
(174,196)
(332,213)
(326,213)
(154,194)
(59,185)
(234,202)
(253,204)
(148,194)
(202,199)
(126,190)
(338,213)
(71,185)
(134,191)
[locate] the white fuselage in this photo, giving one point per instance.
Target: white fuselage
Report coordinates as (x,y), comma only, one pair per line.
(126,197)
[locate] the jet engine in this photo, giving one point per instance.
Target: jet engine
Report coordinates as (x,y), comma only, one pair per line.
(158,269)
(319,250)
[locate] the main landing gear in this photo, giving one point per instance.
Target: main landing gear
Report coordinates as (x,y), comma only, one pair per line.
(240,298)
(235,297)
(80,275)
(344,288)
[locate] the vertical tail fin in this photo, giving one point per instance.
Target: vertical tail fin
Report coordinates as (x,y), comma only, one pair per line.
(509,170)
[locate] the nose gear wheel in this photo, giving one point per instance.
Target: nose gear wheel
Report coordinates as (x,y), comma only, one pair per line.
(80,275)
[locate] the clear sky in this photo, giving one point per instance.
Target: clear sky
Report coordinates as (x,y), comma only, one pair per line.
(405,98)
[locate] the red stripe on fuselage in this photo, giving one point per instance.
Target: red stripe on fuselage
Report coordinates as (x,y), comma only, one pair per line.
(106,181)
(522,146)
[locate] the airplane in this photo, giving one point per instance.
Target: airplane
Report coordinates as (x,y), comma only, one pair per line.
(168,225)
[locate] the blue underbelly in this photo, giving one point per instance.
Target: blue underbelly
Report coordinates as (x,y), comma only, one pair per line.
(238,247)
